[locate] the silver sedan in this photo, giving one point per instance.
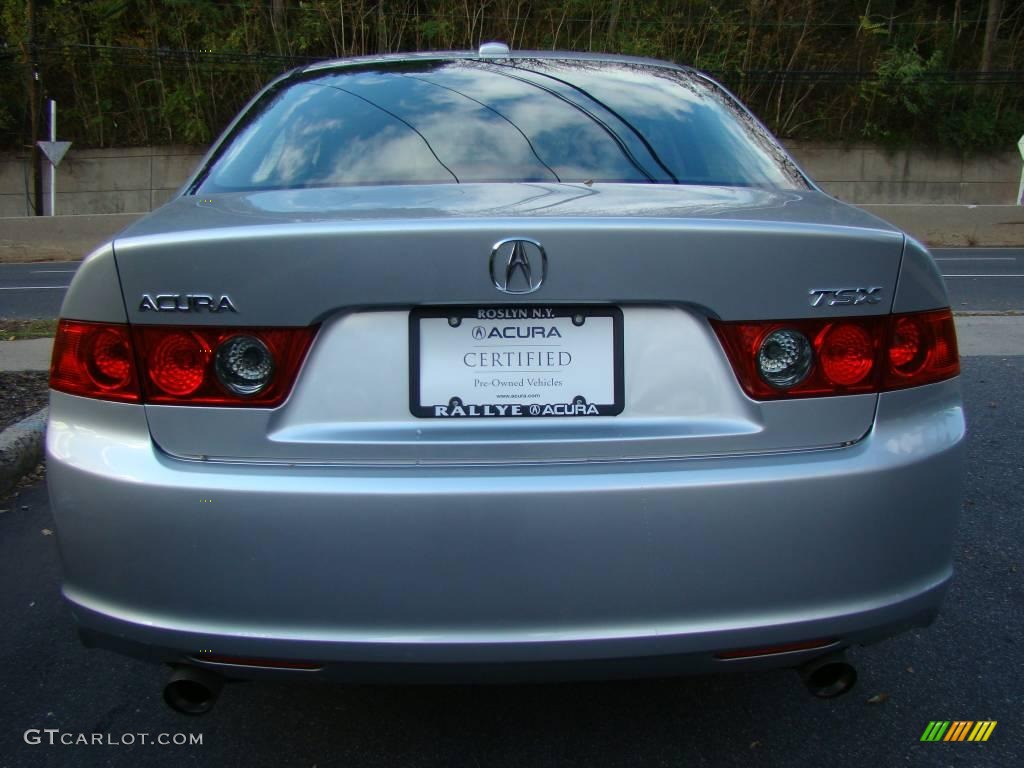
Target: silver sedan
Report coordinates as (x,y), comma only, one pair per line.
(496,365)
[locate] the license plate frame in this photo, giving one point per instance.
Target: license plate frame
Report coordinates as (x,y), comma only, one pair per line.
(559,316)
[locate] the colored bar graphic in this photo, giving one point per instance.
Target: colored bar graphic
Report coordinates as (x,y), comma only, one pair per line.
(983,730)
(935,730)
(958,730)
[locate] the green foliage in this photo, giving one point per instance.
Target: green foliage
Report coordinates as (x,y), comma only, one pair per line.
(7,123)
(135,72)
(980,123)
(180,109)
(905,91)
(904,82)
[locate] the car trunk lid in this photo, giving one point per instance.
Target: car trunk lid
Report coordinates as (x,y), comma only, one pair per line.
(357,261)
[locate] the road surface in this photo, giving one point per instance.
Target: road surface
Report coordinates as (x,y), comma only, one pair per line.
(983,279)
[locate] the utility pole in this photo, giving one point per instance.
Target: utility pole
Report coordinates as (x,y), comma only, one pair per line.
(33,106)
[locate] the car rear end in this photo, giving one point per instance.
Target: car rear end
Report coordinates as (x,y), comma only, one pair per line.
(513,426)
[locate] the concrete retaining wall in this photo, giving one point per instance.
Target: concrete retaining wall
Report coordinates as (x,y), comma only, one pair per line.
(141,179)
(91,181)
(867,175)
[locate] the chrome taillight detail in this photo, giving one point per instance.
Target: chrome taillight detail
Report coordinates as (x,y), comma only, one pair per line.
(244,365)
(784,358)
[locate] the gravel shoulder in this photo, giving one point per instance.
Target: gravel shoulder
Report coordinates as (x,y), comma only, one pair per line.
(22,393)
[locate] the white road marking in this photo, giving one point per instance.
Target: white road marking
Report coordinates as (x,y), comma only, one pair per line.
(35,288)
(53,271)
(983,275)
(978,258)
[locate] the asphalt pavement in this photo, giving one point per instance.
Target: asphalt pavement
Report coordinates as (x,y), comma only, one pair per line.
(34,290)
(983,279)
(978,280)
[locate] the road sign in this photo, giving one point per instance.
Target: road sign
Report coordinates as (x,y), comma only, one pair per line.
(54,150)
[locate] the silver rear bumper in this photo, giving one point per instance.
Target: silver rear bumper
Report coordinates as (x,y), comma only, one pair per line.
(374,569)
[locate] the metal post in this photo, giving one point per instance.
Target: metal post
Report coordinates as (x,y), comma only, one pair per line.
(1020,190)
(34,108)
(53,168)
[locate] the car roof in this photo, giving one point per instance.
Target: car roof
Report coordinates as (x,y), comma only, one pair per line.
(477,55)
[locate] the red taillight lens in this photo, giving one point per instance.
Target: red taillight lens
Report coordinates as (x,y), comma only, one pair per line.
(770,650)
(94,360)
(245,661)
(176,364)
(843,363)
(907,350)
(181,370)
(922,349)
(847,354)
(850,355)
(103,360)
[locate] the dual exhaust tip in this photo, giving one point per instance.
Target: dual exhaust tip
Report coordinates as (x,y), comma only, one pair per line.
(193,690)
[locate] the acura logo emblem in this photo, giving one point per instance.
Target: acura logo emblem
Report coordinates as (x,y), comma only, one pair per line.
(518,265)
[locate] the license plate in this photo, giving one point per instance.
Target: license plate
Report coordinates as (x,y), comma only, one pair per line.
(501,362)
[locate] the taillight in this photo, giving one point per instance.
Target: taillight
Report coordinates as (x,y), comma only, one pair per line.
(178,366)
(94,360)
(244,365)
(784,358)
(922,349)
(813,358)
(176,363)
(220,366)
(847,352)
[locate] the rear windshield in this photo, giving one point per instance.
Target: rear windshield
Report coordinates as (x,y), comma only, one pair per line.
(522,120)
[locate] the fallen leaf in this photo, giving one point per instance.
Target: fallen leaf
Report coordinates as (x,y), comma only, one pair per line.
(46,532)
(755,744)
(879,698)
(910,670)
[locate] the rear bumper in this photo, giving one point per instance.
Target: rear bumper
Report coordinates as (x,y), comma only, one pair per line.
(402,573)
